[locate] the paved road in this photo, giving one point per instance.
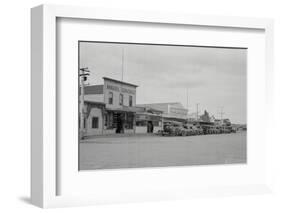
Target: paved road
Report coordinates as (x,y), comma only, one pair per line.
(157,151)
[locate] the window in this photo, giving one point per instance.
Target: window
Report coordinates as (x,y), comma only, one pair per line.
(110,98)
(141,123)
(121,98)
(95,122)
(130,100)
(155,123)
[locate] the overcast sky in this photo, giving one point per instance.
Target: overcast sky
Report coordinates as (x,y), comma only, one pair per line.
(214,77)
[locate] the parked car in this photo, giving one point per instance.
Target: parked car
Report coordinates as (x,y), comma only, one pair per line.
(189,129)
(226,130)
(168,129)
(172,129)
(199,130)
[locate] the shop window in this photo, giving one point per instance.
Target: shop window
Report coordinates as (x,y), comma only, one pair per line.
(121,99)
(95,122)
(155,123)
(141,123)
(130,100)
(110,98)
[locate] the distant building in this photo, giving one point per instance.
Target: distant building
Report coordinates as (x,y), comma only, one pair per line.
(205,117)
(110,108)
(192,117)
(171,111)
(148,120)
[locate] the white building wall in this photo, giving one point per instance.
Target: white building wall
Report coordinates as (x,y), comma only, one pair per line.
(177,111)
(95,112)
(143,129)
(119,88)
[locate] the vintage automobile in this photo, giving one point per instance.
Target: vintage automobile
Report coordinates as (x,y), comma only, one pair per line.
(178,130)
(233,130)
(172,129)
(199,130)
(216,130)
(209,130)
(168,129)
(226,130)
(190,130)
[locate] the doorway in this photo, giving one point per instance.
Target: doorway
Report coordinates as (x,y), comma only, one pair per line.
(149,127)
(119,123)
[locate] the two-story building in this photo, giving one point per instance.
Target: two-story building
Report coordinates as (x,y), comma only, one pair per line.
(110,108)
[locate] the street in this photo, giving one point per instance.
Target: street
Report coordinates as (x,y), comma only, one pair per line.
(110,152)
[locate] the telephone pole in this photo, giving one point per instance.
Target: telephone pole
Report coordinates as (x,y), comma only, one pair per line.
(122,64)
(221,113)
(197,111)
(83,73)
(187,99)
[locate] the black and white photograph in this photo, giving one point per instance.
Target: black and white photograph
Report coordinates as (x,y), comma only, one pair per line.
(161,105)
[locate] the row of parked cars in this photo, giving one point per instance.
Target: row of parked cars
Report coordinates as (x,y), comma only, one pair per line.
(179,129)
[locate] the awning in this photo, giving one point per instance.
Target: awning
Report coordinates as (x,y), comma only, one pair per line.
(166,118)
(147,116)
(122,109)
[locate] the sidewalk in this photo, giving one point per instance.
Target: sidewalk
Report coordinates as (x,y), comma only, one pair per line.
(120,136)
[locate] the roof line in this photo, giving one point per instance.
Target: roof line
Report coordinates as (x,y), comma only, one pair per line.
(159,103)
(121,82)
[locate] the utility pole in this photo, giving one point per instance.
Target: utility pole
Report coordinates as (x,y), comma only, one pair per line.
(197,111)
(83,73)
(221,113)
(122,64)
(187,100)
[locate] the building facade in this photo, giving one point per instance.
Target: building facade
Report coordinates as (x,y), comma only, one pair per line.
(148,120)
(170,111)
(111,108)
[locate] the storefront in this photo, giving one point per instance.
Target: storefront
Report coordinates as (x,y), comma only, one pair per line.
(169,111)
(119,121)
(148,120)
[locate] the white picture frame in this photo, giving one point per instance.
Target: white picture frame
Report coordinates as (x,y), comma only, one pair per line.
(44,150)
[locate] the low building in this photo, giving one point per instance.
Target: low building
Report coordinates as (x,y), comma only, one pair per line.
(192,117)
(148,120)
(94,117)
(110,108)
(170,111)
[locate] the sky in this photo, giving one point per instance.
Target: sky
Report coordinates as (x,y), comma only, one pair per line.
(214,78)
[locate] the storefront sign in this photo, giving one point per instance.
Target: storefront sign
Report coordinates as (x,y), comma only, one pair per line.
(177,111)
(120,89)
